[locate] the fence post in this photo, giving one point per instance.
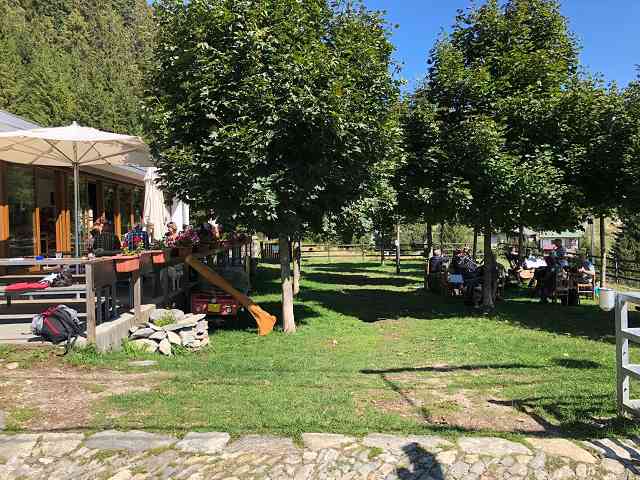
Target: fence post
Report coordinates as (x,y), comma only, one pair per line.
(90,295)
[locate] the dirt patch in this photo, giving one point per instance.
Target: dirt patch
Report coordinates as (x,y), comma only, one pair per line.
(430,400)
(60,397)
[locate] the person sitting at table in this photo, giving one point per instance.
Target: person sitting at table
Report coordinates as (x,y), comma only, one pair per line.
(105,242)
(586,270)
(171,235)
(136,235)
(560,253)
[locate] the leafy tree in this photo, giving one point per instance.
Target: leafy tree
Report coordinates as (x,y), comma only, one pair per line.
(594,137)
(270,111)
(491,87)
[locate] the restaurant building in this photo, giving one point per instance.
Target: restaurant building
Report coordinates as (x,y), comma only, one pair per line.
(36,203)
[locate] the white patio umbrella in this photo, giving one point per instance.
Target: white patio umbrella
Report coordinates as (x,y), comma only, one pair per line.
(154,207)
(73,146)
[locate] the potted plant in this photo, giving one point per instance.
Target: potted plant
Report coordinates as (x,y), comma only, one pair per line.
(186,241)
(160,253)
(129,260)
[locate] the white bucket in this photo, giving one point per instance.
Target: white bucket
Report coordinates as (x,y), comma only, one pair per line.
(607,299)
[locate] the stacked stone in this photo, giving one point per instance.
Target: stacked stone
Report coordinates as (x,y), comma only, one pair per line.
(190,331)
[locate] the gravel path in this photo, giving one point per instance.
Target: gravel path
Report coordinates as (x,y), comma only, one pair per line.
(199,456)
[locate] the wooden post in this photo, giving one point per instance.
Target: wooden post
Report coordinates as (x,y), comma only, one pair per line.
(398,249)
(90,294)
(521,242)
(136,282)
(4,212)
(603,253)
(622,353)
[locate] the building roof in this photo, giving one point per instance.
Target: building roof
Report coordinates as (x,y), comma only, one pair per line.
(10,122)
(565,234)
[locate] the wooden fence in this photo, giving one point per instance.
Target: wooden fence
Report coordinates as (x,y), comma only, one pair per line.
(269,251)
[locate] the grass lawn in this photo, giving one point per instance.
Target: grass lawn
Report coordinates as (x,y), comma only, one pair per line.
(374,352)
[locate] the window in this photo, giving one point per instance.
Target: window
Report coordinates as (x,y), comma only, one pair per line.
(46,204)
(21,199)
(124,195)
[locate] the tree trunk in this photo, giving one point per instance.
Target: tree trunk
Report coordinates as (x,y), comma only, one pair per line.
(398,249)
(592,234)
(603,253)
(381,249)
(288,320)
(442,236)
(475,243)
(429,240)
(521,242)
(296,266)
(487,284)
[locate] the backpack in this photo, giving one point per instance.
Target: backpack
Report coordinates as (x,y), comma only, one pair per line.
(58,324)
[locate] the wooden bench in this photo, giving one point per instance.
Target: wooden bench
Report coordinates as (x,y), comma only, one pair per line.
(51,294)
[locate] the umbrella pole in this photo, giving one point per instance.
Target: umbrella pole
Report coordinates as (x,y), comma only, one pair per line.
(76,199)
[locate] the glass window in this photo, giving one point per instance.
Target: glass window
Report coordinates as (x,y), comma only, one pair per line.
(124,195)
(110,202)
(46,194)
(86,215)
(138,204)
(21,196)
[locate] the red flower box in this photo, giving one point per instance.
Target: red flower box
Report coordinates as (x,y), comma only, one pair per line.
(127,263)
(158,257)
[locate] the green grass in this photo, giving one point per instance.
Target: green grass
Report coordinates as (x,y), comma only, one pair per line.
(369,344)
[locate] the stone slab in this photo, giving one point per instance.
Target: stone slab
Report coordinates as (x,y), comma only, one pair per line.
(133,441)
(492,446)
(432,444)
(263,444)
(17,446)
(179,326)
(206,443)
(142,363)
(58,444)
(320,441)
(560,447)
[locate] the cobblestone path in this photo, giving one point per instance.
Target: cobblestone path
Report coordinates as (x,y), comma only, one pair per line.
(199,456)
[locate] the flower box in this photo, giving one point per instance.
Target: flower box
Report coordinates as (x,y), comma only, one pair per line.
(158,257)
(127,263)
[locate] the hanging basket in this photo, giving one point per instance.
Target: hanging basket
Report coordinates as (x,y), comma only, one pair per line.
(127,263)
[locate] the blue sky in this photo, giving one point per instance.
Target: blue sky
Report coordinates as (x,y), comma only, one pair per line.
(606,29)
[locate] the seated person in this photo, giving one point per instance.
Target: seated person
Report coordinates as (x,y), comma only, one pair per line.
(435,262)
(171,235)
(105,242)
(560,253)
(135,236)
(586,270)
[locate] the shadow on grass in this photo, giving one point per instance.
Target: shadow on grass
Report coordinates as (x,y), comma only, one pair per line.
(576,364)
(577,416)
(445,369)
(351,279)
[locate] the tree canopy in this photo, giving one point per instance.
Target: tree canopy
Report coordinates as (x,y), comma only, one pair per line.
(273,112)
